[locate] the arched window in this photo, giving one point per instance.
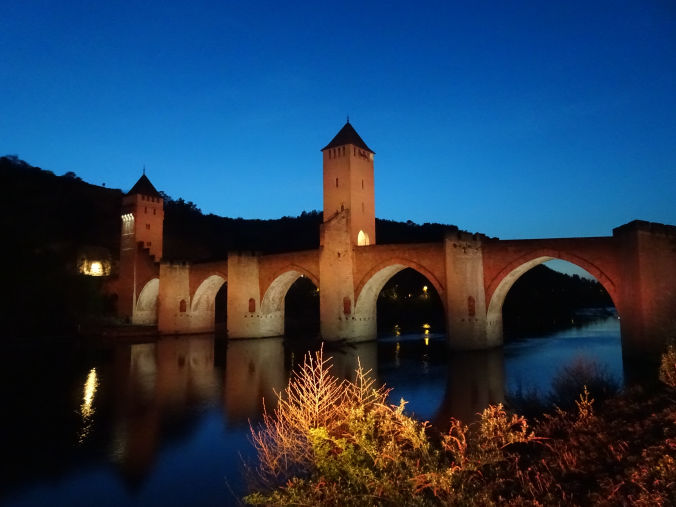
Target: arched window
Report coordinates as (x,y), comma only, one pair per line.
(252,305)
(362,239)
(182,306)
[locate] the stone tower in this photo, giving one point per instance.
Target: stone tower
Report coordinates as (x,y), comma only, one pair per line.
(349,223)
(140,244)
(348,184)
(143,218)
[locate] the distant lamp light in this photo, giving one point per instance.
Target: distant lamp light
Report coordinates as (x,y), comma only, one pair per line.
(427,339)
(425,289)
(95,268)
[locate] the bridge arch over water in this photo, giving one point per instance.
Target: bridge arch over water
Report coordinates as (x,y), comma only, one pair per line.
(371,285)
(145,311)
(203,307)
(273,298)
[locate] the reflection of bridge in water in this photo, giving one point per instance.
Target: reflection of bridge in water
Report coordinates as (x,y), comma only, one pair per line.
(471,273)
(154,382)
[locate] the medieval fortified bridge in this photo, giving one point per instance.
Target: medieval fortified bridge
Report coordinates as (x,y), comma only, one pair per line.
(471,273)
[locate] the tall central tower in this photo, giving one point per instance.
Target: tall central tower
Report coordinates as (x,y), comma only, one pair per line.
(348,184)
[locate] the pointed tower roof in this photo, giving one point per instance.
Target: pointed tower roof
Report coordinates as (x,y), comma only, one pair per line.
(347,135)
(144,187)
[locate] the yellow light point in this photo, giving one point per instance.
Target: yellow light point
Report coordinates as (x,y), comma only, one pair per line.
(427,339)
(87,407)
(89,391)
(96,269)
(425,289)
(426,326)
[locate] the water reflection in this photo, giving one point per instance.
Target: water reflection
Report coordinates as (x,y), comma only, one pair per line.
(347,359)
(153,382)
(173,414)
(474,380)
(254,371)
(87,406)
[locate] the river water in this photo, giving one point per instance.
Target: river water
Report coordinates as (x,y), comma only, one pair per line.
(167,422)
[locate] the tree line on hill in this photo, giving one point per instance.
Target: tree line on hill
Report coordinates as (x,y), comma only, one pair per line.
(48,220)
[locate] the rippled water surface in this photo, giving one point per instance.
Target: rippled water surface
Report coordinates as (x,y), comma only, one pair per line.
(166,422)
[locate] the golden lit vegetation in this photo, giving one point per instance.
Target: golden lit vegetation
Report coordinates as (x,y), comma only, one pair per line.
(333,442)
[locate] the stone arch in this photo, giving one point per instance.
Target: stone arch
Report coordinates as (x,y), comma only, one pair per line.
(202,307)
(505,279)
(205,294)
(145,311)
(273,299)
(374,281)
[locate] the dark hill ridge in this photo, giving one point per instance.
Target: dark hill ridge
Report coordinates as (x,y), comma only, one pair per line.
(50,219)
(66,212)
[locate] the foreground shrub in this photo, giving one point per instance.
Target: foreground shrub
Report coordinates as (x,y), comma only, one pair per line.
(332,442)
(580,374)
(668,367)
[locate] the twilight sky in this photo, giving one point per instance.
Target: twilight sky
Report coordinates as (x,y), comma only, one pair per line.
(515,119)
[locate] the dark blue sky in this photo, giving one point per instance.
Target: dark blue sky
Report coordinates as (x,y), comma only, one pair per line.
(515,119)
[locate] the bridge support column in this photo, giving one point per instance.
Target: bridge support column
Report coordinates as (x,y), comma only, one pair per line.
(245,319)
(467,325)
(647,302)
(173,312)
(336,280)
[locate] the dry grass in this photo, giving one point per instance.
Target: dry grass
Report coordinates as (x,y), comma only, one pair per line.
(336,442)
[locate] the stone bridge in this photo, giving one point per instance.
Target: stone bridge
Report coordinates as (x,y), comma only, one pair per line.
(471,272)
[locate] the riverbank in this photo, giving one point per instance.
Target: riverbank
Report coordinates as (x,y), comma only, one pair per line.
(351,447)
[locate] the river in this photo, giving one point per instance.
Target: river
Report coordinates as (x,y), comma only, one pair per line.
(167,422)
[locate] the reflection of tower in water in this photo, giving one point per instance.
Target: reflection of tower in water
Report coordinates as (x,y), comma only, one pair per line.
(254,371)
(474,381)
(154,381)
(348,358)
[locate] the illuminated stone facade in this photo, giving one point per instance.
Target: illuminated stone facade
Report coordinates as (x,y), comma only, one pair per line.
(471,273)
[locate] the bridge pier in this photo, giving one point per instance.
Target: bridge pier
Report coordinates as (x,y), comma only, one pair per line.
(245,316)
(338,318)
(647,294)
(467,326)
(173,308)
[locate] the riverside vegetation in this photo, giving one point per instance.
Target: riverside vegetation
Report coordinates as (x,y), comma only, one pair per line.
(333,442)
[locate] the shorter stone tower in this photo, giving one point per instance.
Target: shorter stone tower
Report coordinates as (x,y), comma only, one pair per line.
(348,184)
(143,218)
(140,243)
